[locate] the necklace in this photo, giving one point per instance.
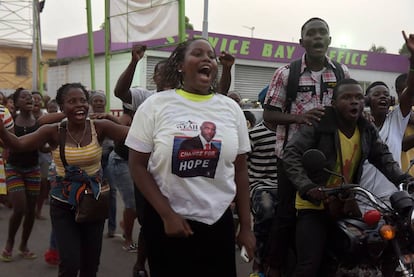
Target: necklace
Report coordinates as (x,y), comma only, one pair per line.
(83,135)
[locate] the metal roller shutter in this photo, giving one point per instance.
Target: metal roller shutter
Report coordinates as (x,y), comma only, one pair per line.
(151,62)
(250,80)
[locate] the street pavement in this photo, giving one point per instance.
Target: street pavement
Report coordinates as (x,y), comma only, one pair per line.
(114,260)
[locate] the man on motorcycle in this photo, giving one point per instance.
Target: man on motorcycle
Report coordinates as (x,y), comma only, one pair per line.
(347,139)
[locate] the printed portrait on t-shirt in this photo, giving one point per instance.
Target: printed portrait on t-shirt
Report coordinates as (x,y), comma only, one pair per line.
(197,156)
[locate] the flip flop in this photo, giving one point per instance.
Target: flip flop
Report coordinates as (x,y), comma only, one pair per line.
(6,256)
(27,254)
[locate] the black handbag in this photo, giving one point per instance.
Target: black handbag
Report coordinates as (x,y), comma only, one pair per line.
(89,208)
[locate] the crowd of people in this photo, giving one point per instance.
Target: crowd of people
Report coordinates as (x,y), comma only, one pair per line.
(187,160)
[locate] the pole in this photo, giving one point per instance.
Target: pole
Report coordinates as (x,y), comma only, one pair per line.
(40,65)
(34,45)
(90,43)
(205,20)
(107,57)
(181,20)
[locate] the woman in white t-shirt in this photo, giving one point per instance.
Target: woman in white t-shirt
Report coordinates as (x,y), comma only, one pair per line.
(188,225)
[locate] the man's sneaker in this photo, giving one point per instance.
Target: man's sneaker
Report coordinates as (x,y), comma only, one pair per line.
(140,273)
(132,248)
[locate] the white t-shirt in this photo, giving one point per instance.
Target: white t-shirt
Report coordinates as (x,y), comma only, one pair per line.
(138,96)
(391,133)
(198,183)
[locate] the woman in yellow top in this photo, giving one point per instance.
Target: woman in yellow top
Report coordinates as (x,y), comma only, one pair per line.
(79,244)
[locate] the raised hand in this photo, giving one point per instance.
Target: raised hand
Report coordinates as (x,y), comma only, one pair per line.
(311,115)
(226,59)
(138,52)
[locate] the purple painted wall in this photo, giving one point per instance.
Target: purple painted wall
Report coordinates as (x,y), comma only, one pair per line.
(243,48)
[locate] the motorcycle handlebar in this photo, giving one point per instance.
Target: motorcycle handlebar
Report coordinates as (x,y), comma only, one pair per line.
(352,188)
(337,190)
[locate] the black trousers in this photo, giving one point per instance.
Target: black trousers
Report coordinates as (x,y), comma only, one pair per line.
(79,244)
(210,251)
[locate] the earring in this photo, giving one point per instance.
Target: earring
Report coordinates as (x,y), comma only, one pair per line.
(180,71)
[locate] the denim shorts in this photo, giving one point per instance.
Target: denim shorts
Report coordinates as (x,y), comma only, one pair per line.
(121,179)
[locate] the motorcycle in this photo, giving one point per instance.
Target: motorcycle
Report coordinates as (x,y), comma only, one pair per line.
(362,246)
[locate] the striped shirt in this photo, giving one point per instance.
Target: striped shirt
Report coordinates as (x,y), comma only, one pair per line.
(6,118)
(8,124)
(86,157)
(312,93)
(262,159)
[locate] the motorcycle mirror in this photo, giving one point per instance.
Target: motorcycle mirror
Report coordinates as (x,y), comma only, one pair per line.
(314,160)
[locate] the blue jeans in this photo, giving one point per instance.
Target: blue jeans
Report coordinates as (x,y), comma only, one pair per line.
(121,179)
(112,205)
(79,244)
(263,203)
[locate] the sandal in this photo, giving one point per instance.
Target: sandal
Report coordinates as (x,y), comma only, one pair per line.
(26,254)
(6,256)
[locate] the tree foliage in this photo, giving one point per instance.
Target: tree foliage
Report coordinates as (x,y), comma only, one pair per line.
(188,25)
(404,50)
(377,49)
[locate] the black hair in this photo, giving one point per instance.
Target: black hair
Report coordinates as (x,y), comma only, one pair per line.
(341,83)
(37,92)
(158,76)
(16,93)
(402,78)
(16,96)
(313,19)
(61,92)
(158,64)
(374,84)
(250,117)
(170,69)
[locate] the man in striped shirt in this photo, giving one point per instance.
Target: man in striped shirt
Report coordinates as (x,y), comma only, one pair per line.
(263,185)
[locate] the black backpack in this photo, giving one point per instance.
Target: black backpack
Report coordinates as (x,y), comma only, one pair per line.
(293,83)
(293,80)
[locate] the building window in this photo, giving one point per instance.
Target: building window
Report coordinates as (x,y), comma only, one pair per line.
(21,66)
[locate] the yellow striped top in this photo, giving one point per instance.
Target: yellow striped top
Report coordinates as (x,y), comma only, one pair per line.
(86,157)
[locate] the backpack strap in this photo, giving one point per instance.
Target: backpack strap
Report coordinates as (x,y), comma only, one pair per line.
(291,91)
(293,83)
(339,71)
(62,139)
